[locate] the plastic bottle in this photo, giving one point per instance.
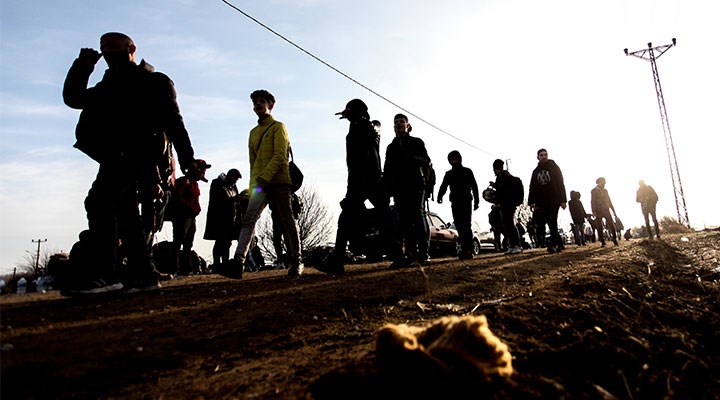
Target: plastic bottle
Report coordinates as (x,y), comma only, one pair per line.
(22,286)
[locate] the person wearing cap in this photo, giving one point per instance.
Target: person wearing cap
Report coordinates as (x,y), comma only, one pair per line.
(269,147)
(186,199)
(464,198)
(407,166)
(364,182)
(545,196)
(126,121)
(221,223)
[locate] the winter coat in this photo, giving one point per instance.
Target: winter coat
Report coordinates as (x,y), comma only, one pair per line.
(600,202)
(222,215)
(547,186)
(128,116)
(405,159)
(186,198)
(462,183)
(268,144)
(362,156)
(502,192)
(647,197)
(577,211)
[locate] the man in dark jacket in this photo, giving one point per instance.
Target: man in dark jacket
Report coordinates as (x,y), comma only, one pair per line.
(364,182)
(127,119)
(406,174)
(648,198)
(464,198)
(503,201)
(601,205)
(546,195)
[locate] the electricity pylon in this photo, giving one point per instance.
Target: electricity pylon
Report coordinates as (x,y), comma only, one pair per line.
(649,54)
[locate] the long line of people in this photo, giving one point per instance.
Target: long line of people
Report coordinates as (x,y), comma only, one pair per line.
(130,124)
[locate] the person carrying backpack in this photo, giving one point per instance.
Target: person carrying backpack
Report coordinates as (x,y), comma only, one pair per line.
(509,195)
(464,194)
(648,198)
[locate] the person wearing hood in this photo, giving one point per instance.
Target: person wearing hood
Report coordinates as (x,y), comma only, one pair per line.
(545,197)
(126,123)
(221,224)
(186,199)
(364,182)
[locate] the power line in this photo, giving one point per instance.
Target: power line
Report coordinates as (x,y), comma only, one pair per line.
(351,78)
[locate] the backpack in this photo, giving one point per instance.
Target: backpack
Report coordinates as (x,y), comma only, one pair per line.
(515,190)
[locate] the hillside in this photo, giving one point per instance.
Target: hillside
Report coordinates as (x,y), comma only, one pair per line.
(638,321)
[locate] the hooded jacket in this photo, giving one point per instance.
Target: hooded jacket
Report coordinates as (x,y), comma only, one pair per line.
(547,186)
(222,210)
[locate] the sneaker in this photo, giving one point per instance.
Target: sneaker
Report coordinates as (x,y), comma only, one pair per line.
(399,263)
(514,250)
(162,276)
(551,250)
(296,270)
(143,286)
(94,287)
(331,265)
(231,269)
(331,268)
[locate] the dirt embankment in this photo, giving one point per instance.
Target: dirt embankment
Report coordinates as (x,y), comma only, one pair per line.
(638,321)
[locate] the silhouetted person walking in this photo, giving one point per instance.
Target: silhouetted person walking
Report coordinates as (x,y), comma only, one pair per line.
(127,119)
(464,198)
(601,206)
(648,198)
(222,215)
(364,182)
(545,197)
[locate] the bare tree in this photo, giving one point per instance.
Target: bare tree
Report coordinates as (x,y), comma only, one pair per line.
(315,223)
(29,262)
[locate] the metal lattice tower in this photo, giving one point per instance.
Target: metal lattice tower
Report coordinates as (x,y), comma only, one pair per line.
(650,55)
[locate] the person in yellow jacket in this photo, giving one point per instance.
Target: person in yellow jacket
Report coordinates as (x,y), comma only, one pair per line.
(269,145)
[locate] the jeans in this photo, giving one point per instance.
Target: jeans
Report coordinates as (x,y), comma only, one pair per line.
(259,199)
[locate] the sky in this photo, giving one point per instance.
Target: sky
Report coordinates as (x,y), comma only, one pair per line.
(500,78)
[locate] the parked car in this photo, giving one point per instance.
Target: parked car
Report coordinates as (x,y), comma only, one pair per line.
(483,240)
(443,236)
